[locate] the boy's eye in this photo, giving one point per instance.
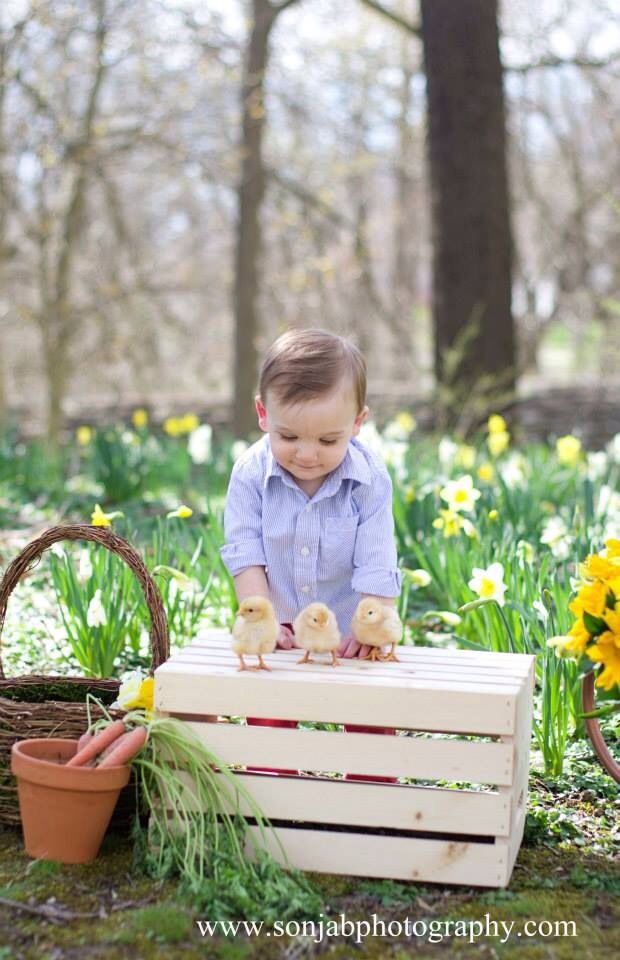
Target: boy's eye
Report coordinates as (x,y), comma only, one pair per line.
(282,437)
(328,443)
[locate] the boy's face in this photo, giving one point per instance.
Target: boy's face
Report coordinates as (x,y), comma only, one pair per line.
(310,439)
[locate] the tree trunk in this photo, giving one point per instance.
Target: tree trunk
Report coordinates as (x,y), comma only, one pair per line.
(473,325)
(250,197)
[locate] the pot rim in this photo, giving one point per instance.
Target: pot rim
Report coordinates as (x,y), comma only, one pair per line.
(34,769)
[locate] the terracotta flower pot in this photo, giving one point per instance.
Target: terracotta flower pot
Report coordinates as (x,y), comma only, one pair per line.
(64,810)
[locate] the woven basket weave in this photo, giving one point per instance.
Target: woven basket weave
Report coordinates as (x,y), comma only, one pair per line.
(19,717)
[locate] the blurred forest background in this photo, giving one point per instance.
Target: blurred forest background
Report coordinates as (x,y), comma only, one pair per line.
(181,180)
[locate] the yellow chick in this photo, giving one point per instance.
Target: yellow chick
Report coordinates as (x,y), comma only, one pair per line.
(376,624)
(316,631)
(255,631)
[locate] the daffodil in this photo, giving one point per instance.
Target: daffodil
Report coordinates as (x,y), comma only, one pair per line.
(136,693)
(497,442)
(525,552)
(606,652)
(100,519)
(85,567)
(199,444)
(409,494)
(460,494)
(452,523)
(401,427)
(568,450)
(172,426)
(139,418)
(83,435)
(465,456)
(485,472)
(496,423)
(181,512)
(420,578)
(493,514)
(96,615)
(489,584)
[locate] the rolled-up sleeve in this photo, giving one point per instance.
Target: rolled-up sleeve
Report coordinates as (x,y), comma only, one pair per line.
(375,561)
(243,545)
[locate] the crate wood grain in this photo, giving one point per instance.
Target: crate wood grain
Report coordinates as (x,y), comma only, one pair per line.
(462,718)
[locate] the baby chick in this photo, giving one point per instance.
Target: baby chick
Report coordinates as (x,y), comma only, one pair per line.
(376,624)
(255,631)
(316,631)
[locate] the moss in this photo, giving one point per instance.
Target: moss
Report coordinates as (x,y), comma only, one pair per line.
(58,690)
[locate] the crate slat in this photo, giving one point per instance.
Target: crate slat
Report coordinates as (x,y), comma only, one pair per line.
(364,855)
(359,753)
(403,703)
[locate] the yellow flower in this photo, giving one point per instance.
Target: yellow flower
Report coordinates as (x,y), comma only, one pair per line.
(405,421)
(465,456)
(100,519)
(182,512)
(596,567)
(613,548)
(497,442)
(409,494)
(607,652)
(136,693)
(591,599)
(485,472)
(419,578)
(189,422)
(568,450)
(493,514)
(452,523)
(172,426)
(139,418)
(496,424)
(83,435)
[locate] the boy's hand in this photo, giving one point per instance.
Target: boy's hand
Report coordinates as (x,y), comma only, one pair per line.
(349,647)
(286,639)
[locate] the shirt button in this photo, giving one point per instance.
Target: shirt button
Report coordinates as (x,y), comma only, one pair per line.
(304,551)
(308,508)
(305,588)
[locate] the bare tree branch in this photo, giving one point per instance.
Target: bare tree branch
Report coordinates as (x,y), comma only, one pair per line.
(401,22)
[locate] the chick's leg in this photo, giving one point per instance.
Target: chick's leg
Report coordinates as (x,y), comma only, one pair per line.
(335,661)
(391,655)
(261,664)
(243,665)
(305,658)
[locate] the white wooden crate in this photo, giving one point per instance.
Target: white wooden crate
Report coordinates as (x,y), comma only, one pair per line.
(462,716)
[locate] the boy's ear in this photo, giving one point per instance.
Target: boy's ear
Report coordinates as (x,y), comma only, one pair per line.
(357,423)
(261,413)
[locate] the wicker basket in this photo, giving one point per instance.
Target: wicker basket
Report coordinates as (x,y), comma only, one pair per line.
(51,716)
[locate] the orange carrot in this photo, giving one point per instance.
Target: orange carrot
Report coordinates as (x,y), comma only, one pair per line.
(84,739)
(132,744)
(98,743)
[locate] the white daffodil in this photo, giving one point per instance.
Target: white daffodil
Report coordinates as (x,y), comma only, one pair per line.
(596,464)
(400,428)
(95,615)
(541,610)
(446,451)
(513,470)
(613,448)
(370,437)
(446,616)
(85,567)
(525,553)
(238,449)
(460,494)
(489,584)
(394,454)
(557,537)
(199,443)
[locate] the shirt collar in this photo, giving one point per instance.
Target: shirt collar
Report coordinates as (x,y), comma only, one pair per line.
(353,467)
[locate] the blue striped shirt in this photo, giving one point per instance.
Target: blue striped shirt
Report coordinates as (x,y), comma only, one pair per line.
(331,547)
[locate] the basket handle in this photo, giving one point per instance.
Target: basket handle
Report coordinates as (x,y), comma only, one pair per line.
(115,544)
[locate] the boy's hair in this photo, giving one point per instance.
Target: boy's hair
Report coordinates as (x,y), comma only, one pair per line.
(304,364)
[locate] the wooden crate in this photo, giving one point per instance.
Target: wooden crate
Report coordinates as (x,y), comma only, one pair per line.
(462,716)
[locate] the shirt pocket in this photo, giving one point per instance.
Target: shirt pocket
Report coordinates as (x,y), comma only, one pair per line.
(336,547)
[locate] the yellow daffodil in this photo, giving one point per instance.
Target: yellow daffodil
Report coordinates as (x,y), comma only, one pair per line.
(452,523)
(497,442)
(100,519)
(496,424)
(181,512)
(139,418)
(485,472)
(136,693)
(405,421)
(420,578)
(493,514)
(606,652)
(465,456)
(461,495)
(172,426)
(489,584)
(189,422)
(83,435)
(568,450)
(591,598)
(409,494)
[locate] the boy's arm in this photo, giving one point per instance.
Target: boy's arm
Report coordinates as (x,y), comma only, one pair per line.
(251,582)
